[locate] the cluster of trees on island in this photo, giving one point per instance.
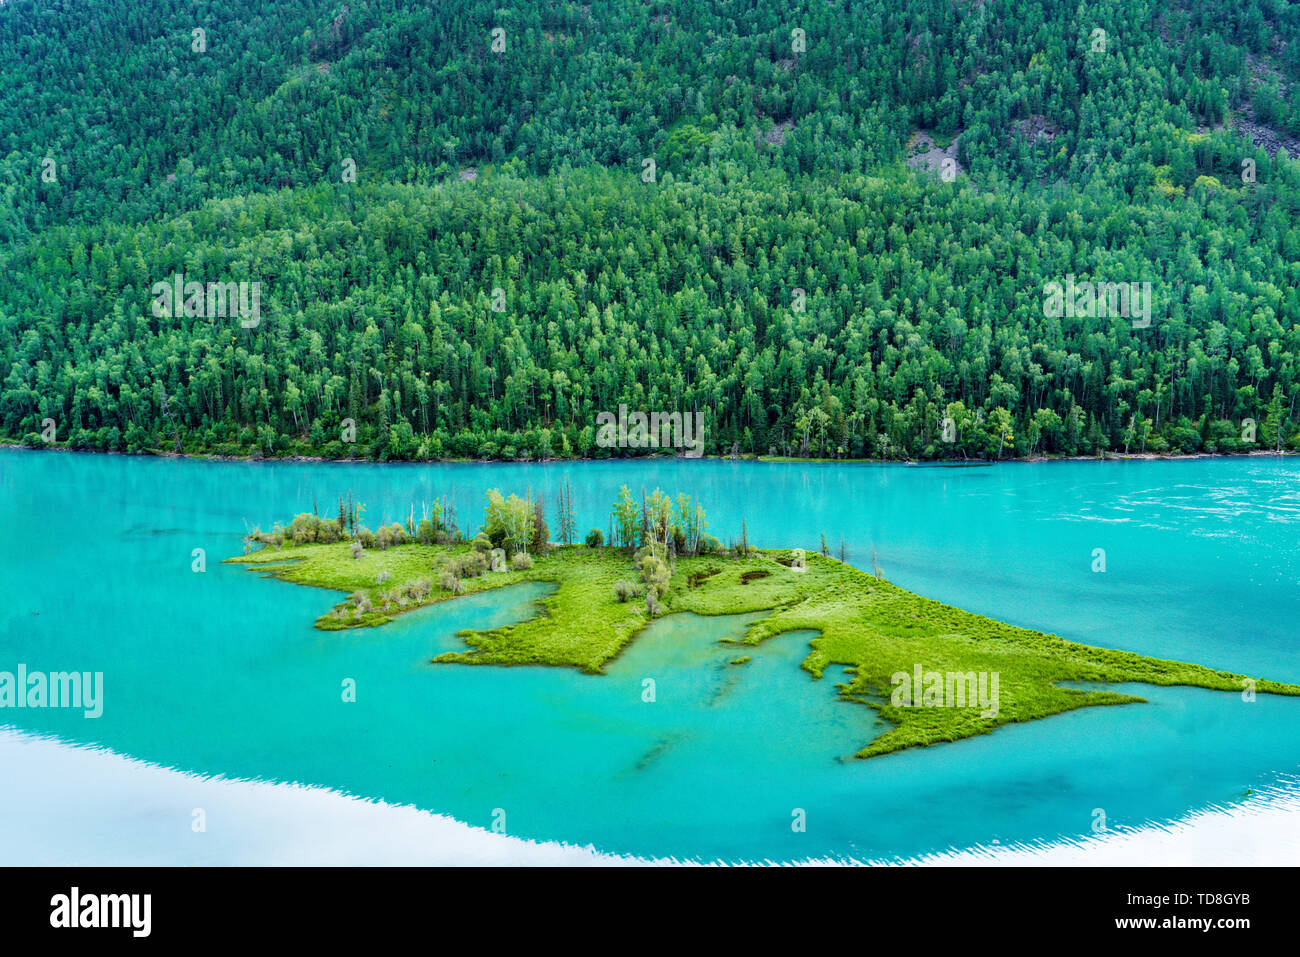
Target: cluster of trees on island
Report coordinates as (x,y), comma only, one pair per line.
(782,271)
(652,531)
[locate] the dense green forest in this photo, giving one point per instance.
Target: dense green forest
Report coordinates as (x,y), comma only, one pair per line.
(465,251)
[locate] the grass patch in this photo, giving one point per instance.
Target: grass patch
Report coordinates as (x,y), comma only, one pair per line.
(865,623)
(698,578)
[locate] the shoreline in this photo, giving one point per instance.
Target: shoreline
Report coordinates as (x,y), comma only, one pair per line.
(746,457)
(144,812)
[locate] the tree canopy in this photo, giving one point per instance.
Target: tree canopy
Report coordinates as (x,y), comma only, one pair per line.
(674,206)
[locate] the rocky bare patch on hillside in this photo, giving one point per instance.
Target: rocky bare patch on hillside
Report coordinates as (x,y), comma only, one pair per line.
(924,155)
(1270,140)
(776,135)
(1036,127)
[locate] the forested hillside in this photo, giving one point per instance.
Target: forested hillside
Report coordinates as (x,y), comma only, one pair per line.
(673,206)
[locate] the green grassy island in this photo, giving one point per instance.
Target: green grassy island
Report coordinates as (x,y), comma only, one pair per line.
(664,563)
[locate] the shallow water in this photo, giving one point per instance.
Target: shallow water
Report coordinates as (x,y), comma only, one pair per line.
(222,672)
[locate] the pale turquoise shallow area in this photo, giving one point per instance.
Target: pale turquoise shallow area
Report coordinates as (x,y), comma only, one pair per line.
(222,672)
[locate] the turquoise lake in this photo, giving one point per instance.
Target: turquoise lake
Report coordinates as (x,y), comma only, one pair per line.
(221,672)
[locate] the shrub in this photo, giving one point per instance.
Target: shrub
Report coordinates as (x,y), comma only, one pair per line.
(448,581)
(469,565)
(626,590)
(595,538)
(482,543)
(329,531)
(275,538)
(303,528)
(389,535)
(521,562)
(366,537)
(1184,439)
(356,549)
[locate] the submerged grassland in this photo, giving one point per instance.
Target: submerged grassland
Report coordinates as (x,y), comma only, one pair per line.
(874,628)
